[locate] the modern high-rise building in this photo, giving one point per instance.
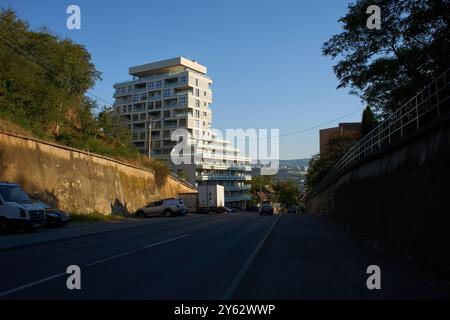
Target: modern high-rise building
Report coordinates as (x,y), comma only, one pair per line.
(176,93)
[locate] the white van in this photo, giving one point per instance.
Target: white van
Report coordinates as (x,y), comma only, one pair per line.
(17,210)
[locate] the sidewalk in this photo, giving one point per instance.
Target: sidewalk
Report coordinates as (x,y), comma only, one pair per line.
(73,230)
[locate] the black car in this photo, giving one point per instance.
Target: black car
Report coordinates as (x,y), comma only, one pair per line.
(266,209)
(56,218)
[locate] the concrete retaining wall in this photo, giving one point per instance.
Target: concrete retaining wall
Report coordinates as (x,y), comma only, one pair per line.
(77,181)
(399,200)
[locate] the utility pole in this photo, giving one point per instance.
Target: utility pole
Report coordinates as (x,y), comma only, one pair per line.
(149,126)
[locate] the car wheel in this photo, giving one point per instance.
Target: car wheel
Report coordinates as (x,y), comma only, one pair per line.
(167,213)
(141,214)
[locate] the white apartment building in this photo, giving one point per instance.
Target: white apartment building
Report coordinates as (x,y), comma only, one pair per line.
(176,93)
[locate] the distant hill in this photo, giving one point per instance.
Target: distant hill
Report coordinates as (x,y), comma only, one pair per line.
(295,162)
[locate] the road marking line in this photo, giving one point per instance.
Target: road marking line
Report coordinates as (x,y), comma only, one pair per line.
(35,283)
(136,250)
(233,286)
(31,284)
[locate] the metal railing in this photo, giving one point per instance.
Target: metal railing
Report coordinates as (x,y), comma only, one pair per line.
(429,105)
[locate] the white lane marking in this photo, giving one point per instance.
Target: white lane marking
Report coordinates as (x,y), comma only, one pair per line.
(233,286)
(35,283)
(31,284)
(136,250)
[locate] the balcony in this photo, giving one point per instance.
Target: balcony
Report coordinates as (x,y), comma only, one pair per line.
(205,177)
(238,198)
(241,188)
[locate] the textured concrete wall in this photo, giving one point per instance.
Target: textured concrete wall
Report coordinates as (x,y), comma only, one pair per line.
(77,181)
(399,200)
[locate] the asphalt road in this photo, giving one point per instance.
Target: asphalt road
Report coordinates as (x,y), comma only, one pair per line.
(235,256)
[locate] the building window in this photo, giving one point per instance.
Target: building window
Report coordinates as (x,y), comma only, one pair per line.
(197,103)
(151,85)
(135,97)
(183,79)
(158,84)
(182,101)
(196,82)
(197,124)
(204,93)
(167,92)
(197,92)
(197,114)
(205,114)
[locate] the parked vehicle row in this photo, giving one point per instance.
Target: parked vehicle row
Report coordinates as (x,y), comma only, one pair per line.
(19,212)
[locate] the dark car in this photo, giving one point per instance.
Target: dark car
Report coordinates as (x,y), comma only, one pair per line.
(253,208)
(56,218)
(266,209)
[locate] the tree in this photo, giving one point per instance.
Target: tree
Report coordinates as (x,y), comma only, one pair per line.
(320,164)
(257,183)
(369,122)
(388,66)
(286,192)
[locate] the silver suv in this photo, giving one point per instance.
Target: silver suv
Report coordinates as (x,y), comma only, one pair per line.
(167,207)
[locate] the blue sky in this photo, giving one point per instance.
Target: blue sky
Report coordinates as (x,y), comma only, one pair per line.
(264,56)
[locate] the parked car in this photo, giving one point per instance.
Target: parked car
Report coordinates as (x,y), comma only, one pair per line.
(228,210)
(54,217)
(166,207)
(293,209)
(17,210)
(266,209)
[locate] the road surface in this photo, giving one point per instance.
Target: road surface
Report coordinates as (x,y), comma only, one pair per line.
(234,256)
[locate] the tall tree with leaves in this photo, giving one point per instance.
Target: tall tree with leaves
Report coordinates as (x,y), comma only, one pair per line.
(369,121)
(387,66)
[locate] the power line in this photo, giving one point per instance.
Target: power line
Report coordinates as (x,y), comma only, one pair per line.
(44,63)
(305,129)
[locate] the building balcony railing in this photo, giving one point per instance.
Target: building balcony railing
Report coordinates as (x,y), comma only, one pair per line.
(243,197)
(241,188)
(204,177)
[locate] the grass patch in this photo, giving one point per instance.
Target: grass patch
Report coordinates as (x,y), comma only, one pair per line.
(96,217)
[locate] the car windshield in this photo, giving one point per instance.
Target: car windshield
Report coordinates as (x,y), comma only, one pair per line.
(13,194)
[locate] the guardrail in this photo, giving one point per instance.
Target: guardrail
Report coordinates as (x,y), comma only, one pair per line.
(429,105)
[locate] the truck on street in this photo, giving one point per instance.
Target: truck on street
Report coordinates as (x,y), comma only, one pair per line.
(17,210)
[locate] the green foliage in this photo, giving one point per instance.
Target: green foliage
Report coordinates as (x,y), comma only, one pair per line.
(335,149)
(388,66)
(43,82)
(287,193)
(369,121)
